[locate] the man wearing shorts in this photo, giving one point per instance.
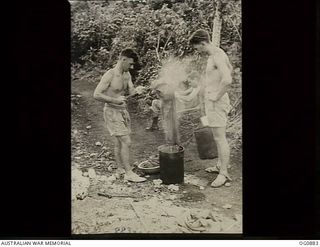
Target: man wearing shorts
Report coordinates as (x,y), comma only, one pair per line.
(111,89)
(216,100)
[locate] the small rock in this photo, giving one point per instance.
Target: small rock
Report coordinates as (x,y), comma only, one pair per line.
(112,178)
(88,127)
(92,173)
(109,169)
(201,187)
(85,174)
(157,181)
(147,176)
(81,196)
(227,206)
(79,96)
(227,184)
(184,192)
(172,197)
(77,158)
(237,217)
(93,154)
(173,187)
(98,144)
(86,133)
(104,148)
(136,163)
(75,132)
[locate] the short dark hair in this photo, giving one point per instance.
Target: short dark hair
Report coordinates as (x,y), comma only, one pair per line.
(130,53)
(198,36)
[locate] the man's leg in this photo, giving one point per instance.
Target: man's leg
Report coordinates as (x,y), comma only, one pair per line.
(117,154)
(124,151)
(219,135)
(124,154)
(155,112)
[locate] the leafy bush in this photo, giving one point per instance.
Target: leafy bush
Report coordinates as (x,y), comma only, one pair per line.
(156,29)
(101,30)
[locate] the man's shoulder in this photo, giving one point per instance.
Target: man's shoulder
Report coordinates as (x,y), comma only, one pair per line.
(109,72)
(108,75)
(219,52)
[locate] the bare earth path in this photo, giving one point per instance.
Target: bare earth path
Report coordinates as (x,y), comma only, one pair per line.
(143,208)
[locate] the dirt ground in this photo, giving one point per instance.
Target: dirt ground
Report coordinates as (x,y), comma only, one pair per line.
(113,205)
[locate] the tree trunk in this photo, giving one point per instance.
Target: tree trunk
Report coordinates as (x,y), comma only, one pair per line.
(217,24)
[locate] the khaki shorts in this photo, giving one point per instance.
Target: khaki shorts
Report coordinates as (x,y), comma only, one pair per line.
(217,111)
(117,120)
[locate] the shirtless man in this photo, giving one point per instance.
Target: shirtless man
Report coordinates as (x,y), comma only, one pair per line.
(111,89)
(216,100)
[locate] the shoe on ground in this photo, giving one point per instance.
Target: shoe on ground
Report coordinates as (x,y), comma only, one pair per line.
(132,177)
(220,180)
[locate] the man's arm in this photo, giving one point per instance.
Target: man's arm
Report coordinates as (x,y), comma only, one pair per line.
(132,90)
(102,87)
(225,68)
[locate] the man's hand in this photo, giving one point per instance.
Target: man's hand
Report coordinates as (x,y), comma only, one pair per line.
(120,100)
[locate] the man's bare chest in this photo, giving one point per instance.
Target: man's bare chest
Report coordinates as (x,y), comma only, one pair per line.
(119,83)
(211,66)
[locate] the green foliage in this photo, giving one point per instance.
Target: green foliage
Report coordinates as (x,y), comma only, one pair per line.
(156,29)
(100,30)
